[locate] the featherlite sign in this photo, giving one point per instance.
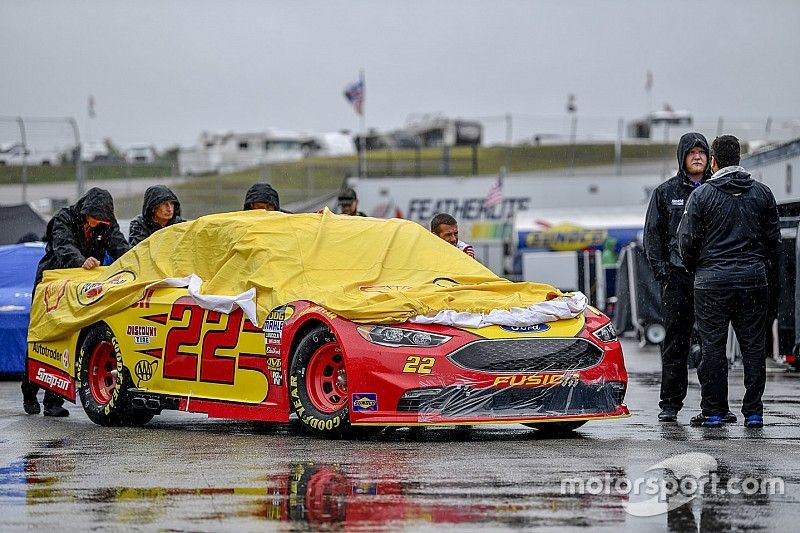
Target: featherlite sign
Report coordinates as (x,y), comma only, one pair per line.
(421,198)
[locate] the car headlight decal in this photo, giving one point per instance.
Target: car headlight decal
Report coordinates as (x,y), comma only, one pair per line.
(397,337)
(607,333)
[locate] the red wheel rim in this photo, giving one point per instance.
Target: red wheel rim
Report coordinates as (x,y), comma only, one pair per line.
(325,496)
(102,364)
(326,380)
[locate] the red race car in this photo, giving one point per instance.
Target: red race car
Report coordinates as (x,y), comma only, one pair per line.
(168,348)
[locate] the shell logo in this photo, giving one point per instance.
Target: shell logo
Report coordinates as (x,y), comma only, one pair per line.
(566,237)
(53,293)
(91,292)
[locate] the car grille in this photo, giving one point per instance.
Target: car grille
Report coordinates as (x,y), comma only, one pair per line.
(465,401)
(528,355)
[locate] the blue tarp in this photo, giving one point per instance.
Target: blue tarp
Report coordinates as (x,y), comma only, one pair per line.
(18,264)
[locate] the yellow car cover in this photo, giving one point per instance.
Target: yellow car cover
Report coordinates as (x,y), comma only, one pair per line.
(364,269)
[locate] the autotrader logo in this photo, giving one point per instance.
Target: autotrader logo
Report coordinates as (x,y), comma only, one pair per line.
(681,479)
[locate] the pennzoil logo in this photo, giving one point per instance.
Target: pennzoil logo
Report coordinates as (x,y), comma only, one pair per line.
(566,237)
(537,380)
(53,294)
(91,292)
(365,402)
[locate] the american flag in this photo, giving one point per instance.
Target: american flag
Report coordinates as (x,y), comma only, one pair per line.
(355,95)
(495,195)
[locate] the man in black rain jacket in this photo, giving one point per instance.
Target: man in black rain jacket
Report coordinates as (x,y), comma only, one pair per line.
(77,236)
(160,209)
(661,246)
(262,196)
(728,234)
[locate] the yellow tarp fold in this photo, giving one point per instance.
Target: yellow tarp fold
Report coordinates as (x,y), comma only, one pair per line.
(364,269)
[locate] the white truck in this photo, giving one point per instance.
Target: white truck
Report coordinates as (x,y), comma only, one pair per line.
(15,154)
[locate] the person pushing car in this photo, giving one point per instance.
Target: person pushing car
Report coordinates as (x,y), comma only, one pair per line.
(77,236)
(160,209)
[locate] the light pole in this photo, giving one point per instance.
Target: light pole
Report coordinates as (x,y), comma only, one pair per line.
(23,137)
(80,176)
(572,109)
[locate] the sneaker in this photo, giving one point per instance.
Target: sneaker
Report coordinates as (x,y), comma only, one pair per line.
(32,408)
(729,418)
(754,421)
(711,421)
(56,411)
(668,414)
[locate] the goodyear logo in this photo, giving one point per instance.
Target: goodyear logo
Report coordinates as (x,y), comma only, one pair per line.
(565,237)
(365,402)
(91,292)
(535,328)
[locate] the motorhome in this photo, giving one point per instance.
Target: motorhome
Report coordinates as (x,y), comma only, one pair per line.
(229,152)
(442,131)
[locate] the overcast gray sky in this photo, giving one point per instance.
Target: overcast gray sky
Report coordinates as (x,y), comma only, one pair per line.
(162,71)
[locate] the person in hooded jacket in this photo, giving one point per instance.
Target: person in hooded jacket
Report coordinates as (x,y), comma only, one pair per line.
(262,196)
(728,234)
(661,246)
(160,209)
(77,236)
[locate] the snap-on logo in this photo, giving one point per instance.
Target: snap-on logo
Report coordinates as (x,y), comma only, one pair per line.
(51,379)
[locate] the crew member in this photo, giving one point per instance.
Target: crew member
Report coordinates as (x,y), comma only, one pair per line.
(160,209)
(262,196)
(77,236)
(347,203)
(729,232)
(445,227)
(661,246)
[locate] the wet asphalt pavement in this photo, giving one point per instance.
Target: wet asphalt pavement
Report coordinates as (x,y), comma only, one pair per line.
(184,472)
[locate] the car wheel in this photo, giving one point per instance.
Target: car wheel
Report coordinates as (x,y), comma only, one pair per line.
(318,384)
(556,428)
(317,494)
(104,381)
(654,333)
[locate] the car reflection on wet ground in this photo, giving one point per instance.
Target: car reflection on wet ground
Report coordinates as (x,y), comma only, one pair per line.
(186,472)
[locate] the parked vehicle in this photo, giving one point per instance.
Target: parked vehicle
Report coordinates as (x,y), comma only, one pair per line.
(16,154)
(140,153)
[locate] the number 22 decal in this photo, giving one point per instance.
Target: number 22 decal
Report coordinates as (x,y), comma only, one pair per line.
(214,368)
(418,365)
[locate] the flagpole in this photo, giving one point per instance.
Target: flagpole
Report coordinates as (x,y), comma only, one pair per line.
(362,146)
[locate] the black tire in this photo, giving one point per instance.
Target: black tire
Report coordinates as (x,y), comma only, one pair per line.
(105,399)
(556,428)
(315,418)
